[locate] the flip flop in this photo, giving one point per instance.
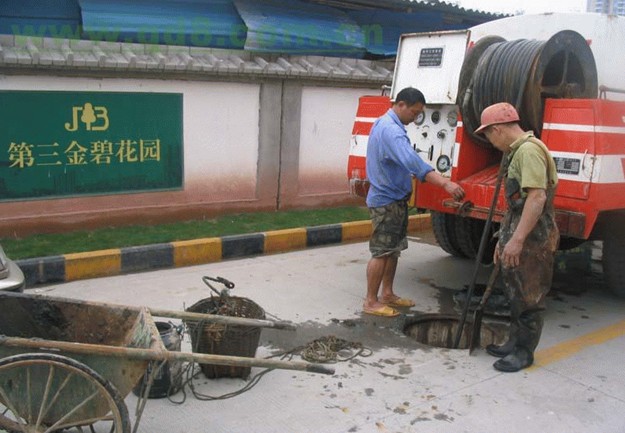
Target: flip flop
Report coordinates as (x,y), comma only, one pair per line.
(384,311)
(399,303)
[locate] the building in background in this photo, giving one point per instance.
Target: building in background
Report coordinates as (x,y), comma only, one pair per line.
(616,7)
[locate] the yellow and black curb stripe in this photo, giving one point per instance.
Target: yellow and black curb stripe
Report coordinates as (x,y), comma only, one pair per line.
(105,263)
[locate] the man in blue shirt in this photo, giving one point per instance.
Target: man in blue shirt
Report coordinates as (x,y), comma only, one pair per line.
(391,163)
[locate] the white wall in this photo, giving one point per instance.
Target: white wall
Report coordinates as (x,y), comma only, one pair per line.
(221,139)
(326,127)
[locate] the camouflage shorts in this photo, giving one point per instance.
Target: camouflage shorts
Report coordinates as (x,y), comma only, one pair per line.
(390,224)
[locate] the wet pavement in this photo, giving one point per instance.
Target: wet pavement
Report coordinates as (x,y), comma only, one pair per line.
(398,384)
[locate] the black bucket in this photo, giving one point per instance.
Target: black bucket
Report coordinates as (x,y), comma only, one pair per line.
(219,339)
(168,380)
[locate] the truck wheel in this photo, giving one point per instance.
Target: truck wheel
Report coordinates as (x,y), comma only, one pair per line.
(614,264)
(567,243)
(444,228)
(469,234)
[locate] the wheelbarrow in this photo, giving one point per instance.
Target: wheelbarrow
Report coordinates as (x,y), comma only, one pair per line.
(67,364)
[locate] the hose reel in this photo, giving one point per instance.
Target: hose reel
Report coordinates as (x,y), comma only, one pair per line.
(524,73)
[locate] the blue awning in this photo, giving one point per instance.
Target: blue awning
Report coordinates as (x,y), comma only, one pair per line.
(40,18)
(214,23)
(341,28)
(382,29)
(295,27)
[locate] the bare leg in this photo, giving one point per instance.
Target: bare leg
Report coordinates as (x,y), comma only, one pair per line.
(389,277)
(375,274)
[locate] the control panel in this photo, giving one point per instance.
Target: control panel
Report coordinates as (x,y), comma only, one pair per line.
(433,136)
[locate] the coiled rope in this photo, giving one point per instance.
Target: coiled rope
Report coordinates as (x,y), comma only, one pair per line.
(329,349)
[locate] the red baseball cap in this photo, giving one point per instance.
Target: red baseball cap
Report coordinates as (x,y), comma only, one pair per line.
(501,112)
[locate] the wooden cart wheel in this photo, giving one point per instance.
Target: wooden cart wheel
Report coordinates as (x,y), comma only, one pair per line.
(46,393)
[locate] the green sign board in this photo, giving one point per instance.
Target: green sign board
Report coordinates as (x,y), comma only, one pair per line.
(72,143)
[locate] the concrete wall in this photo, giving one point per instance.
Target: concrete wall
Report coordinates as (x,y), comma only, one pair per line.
(248,145)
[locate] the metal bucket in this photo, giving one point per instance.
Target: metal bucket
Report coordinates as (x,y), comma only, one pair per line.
(168,379)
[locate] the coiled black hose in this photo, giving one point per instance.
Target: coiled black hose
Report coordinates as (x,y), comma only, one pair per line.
(501,75)
(523,73)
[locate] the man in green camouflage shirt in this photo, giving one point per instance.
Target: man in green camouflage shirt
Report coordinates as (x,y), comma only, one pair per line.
(528,237)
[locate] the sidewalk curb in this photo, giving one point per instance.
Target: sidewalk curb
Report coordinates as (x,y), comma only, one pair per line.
(106,263)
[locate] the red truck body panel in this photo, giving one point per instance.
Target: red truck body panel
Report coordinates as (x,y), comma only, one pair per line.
(585,136)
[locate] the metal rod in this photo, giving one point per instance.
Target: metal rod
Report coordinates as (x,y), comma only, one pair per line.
(160,355)
(473,210)
(229,320)
(480,252)
(604,89)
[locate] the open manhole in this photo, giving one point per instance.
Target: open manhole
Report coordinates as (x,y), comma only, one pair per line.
(439,330)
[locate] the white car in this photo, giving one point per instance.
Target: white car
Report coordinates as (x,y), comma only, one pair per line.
(11,276)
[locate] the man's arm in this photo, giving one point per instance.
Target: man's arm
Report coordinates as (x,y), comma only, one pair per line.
(533,208)
(452,188)
(403,153)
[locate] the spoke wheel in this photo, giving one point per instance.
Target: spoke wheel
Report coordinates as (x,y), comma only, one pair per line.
(46,393)
(565,68)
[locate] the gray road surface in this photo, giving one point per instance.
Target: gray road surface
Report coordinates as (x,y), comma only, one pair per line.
(404,386)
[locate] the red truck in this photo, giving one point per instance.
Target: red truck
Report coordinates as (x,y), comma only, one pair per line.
(564,74)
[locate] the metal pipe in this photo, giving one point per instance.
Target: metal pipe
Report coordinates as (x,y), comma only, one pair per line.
(228,320)
(604,89)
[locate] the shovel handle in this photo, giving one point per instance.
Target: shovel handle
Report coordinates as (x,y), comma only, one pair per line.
(228,320)
(476,330)
(490,284)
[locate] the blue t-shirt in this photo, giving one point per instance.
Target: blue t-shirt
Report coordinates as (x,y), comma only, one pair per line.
(391,161)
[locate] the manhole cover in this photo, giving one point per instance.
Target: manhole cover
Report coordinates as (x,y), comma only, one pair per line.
(439,330)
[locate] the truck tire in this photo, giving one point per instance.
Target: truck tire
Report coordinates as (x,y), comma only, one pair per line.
(444,228)
(567,243)
(468,236)
(614,264)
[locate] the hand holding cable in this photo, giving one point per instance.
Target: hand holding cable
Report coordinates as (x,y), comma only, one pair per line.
(454,190)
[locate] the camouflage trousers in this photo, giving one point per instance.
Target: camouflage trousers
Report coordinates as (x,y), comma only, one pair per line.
(390,225)
(529,282)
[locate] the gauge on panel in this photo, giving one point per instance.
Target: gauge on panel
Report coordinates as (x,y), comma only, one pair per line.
(452,118)
(420,118)
(436,116)
(443,163)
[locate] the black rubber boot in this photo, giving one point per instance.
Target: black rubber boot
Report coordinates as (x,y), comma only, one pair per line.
(501,351)
(530,326)
(508,346)
(519,359)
